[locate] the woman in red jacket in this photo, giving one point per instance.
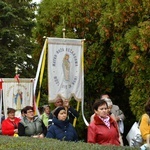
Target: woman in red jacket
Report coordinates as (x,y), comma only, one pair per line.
(10,125)
(103,129)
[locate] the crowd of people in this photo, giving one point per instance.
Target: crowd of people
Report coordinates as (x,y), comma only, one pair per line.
(55,124)
(104,127)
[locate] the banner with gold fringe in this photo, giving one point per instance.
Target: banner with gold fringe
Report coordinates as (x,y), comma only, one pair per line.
(65,71)
(16,94)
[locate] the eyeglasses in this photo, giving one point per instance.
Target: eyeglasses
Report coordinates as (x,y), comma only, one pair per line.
(30,111)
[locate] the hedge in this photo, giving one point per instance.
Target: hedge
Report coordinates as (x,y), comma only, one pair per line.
(29,143)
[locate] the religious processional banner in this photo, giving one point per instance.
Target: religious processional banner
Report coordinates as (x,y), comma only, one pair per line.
(65,68)
(0,99)
(17,94)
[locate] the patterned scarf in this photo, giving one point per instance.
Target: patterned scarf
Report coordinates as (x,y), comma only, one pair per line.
(106,121)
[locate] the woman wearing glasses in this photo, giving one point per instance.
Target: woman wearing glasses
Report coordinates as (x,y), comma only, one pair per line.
(31,125)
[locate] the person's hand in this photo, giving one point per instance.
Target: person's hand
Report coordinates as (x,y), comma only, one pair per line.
(38,136)
(66,104)
(16,131)
(35,136)
(41,136)
(117,118)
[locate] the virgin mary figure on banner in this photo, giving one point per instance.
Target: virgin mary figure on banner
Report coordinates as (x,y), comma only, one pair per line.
(66,67)
(18,99)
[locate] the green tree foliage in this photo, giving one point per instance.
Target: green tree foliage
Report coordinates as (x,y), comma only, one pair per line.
(79,23)
(16,43)
(125,25)
(117,47)
(82,23)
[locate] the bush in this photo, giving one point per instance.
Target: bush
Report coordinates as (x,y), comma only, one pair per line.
(28,143)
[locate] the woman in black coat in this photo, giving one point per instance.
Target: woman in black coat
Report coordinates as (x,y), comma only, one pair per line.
(61,128)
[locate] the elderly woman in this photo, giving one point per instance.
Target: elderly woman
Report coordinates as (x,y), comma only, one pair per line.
(10,124)
(31,125)
(61,129)
(45,115)
(145,123)
(103,130)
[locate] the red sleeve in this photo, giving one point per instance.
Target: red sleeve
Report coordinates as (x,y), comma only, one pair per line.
(7,128)
(91,134)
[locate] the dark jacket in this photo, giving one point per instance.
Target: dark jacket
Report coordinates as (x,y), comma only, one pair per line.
(62,130)
(72,113)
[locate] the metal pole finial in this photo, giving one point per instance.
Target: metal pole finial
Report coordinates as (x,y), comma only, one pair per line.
(16,68)
(64,30)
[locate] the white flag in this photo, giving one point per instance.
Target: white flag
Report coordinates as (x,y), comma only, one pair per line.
(65,68)
(17,95)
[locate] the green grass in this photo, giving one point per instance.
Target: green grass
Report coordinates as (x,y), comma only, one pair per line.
(29,143)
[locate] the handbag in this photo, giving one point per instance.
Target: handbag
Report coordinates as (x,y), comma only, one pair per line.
(134,137)
(146,146)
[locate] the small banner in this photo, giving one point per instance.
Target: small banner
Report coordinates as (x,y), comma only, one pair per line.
(1,100)
(65,68)
(16,94)
(1,84)
(0,105)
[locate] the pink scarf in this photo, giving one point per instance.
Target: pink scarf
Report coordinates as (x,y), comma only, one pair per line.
(106,121)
